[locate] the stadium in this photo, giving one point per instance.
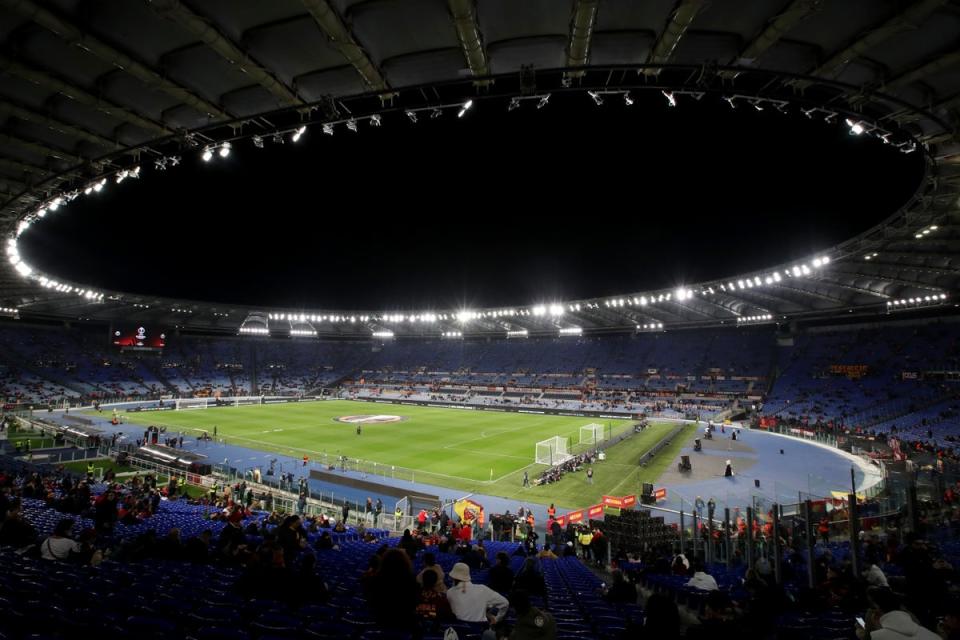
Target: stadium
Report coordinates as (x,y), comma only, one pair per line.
(621,319)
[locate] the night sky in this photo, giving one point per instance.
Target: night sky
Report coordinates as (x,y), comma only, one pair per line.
(494,209)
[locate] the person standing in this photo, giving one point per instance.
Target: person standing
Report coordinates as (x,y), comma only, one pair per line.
(589,475)
(526,479)
(377,510)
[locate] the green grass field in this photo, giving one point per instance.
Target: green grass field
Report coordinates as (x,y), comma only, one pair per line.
(474,451)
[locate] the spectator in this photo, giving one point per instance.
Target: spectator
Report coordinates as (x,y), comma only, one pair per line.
(531,623)
(621,591)
(430,566)
(661,618)
(393,592)
(718,618)
(472,602)
(500,578)
(59,546)
(433,604)
(886,620)
(530,579)
(701,579)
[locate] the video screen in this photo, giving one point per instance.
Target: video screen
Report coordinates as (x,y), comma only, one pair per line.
(139,337)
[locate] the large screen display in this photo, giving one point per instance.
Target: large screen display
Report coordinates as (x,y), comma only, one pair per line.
(139,337)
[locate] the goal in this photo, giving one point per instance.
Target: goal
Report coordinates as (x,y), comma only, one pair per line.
(184,404)
(552,451)
(592,433)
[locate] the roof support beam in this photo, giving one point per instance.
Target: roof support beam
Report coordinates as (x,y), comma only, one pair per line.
(14,165)
(14,184)
(917,268)
(809,293)
(464,16)
(767,295)
(919,73)
(86,41)
(76,93)
(677,25)
(38,149)
(343,41)
(582,21)
(777,28)
(55,125)
(908,283)
(205,31)
(908,19)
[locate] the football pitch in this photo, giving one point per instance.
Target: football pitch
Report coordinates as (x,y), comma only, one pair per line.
(477,451)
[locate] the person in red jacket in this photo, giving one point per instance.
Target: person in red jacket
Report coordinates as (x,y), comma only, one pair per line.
(422,519)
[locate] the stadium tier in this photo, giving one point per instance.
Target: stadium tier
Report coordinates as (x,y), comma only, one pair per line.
(876,377)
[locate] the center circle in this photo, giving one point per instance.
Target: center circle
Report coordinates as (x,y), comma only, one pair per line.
(369,419)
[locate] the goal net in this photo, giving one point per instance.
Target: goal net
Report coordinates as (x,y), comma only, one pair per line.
(552,451)
(184,404)
(592,433)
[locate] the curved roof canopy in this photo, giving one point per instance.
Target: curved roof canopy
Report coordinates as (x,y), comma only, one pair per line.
(96,92)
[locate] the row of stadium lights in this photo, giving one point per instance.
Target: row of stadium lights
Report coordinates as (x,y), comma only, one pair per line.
(682,293)
(857,127)
(905,302)
(761,318)
(224,149)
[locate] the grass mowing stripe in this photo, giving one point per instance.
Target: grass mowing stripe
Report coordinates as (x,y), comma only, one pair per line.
(447,447)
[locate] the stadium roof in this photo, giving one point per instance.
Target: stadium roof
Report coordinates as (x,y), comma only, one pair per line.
(95,90)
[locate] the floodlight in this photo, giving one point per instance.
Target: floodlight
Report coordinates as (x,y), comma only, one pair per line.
(671,100)
(298,133)
(375,120)
(466,107)
(543,101)
(597,98)
(412,115)
(352,124)
(225,149)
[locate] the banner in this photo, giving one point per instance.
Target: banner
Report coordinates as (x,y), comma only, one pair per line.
(562,520)
(595,510)
(852,371)
(468,510)
(660,494)
(576,516)
(619,502)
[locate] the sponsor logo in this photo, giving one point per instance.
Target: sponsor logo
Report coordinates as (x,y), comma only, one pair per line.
(370,419)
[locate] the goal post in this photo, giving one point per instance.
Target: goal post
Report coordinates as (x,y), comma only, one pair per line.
(552,451)
(593,433)
(184,404)
(233,401)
